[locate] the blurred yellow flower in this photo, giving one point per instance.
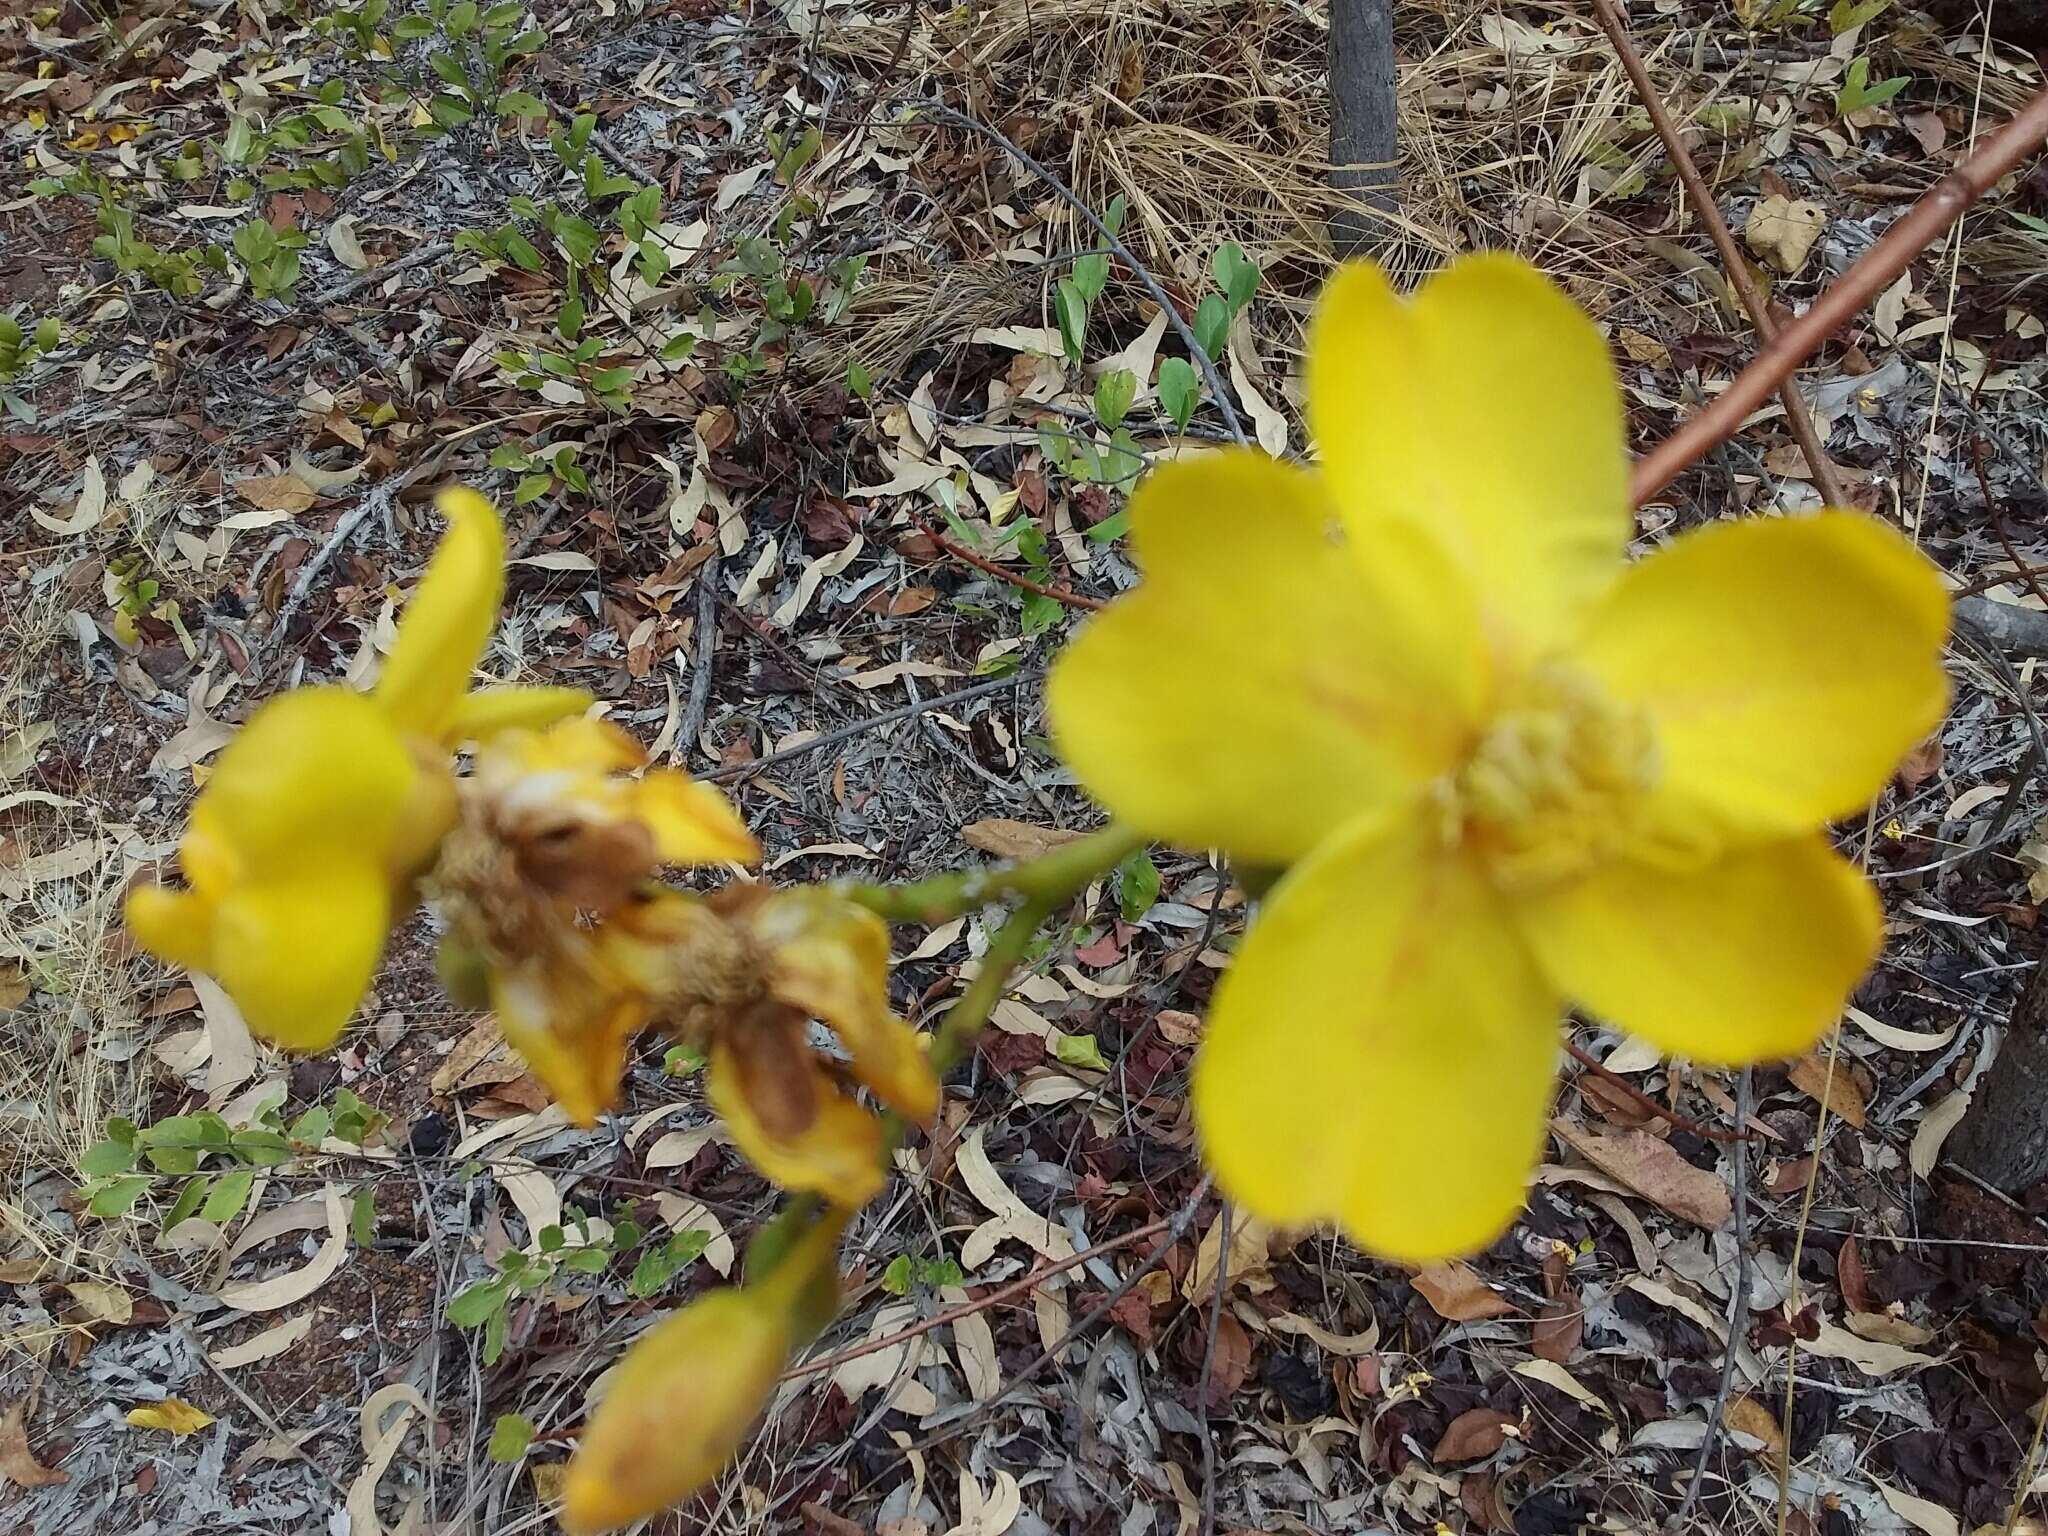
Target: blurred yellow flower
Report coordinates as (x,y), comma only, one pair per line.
(1503,770)
(324,809)
(682,1400)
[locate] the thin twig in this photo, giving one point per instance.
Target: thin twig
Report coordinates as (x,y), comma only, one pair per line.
(832,738)
(1738,1304)
(1176,1230)
(1208,1365)
(1703,206)
(958,551)
(994,1298)
(1911,234)
(1643,1101)
(705,649)
(2027,572)
(1108,237)
(264,1416)
(375,498)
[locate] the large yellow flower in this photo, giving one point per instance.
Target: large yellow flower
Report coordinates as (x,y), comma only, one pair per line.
(1504,771)
(303,848)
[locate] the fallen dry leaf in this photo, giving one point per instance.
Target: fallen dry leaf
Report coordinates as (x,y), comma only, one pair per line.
(1559,1327)
(1472,1434)
(1886,1328)
(1835,1088)
(1922,1514)
(1455,1292)
(1008,839)
(1782,231)
(1230,1364)
(17,1463)
(287,493)
(1654,1170)
(173,1414)
(1870,1356)
(1747,1416)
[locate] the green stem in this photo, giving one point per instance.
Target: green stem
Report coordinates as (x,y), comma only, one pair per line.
(1049,879)
(963,1021)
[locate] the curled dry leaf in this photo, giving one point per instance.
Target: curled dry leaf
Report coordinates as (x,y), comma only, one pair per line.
(1933,1131)
(1455,1292)
(1654,1170)
(1747,1416)
(1473,1434)
(1833,1086)
(1008,839)
(17,1463)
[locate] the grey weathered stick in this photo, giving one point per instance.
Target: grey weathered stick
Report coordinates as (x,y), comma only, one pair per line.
(2023,631)
(706,637)
(1738,1302)
(873,722)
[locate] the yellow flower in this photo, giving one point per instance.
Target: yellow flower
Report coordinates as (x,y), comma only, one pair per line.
(682,1400)
(552,826)
(320,814)
(1503,770)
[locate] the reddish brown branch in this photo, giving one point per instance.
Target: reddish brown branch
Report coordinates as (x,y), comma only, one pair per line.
(1913,232)
(958,551)
(1649,1105)
(1703,206)
(994,1298)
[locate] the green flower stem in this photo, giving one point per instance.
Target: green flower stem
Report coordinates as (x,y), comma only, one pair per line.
(1049,880)
(963,1021)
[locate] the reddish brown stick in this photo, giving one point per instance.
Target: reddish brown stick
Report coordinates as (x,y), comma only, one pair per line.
(1704,208)
(1065,595)
(1914,231)
(1644,1102)
(994,1298)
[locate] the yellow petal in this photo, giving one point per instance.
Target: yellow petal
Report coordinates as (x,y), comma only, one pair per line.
(832,961)
(175,926)
(487,712)
(838,1155)
(1787,665)
(1486,409)
(1749,959)
(678,1407)
(173,1414)
(1381,1053)
(570,1025)
(692,822)
(1263,684)
(297,953)
(314,769)
(442,634)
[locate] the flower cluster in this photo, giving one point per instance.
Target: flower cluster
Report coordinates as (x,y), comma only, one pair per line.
(1501,769)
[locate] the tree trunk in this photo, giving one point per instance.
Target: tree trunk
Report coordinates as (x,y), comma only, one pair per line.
(2003,1139)
(1363,142)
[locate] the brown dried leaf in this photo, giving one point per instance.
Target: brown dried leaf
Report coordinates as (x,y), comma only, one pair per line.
(1230,1364)
(1747,1416)
(1654,1170)
(277,493)
(1559,1327)
(1849,1273)
(1782,231)
(1008,839)
(1472,1434)
(1455,1292)
(1836,1089)
(17,1463)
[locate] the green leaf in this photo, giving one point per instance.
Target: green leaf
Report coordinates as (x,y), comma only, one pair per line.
(896,1278)
(939,1272)
(449,68)
(410,29)
(1137,885)
(261,1146)
(551,1238)
(462,19)
(230,1194)
(859,382)
(682,1060)
(473,1304)
(1091,275)
(2028,221)
(652,1273)
(1111,528)
(1070,309)
(362,1217)
(531,488)
(569,319)
(106,1158)
(521,104)
(505,14)
(1078,1051)
(609,381)
(311,1128)
(1040,613)
(187,1201)
(509,456)
(510,1437)
(1180,390)
(586,1261)
(1236,274)
(494,1335)
(1113,215)
(48,334)
(1212,324)
(521,250)
(1114,393)
(240,142)
(118,1198)
(450,111)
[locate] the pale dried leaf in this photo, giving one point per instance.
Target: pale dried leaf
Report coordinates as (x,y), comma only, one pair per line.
(1869,1356)
(1008,839)
(18,1464)
(1922,1514)
(1933,1131)
(268,1344)
(1829,1082)
(295,1285)
(1654,1170)
(1455,1292)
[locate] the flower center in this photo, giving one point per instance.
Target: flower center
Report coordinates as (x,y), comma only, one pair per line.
(1558,781)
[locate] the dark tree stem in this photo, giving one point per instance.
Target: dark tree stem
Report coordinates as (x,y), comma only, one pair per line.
(1364,145)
